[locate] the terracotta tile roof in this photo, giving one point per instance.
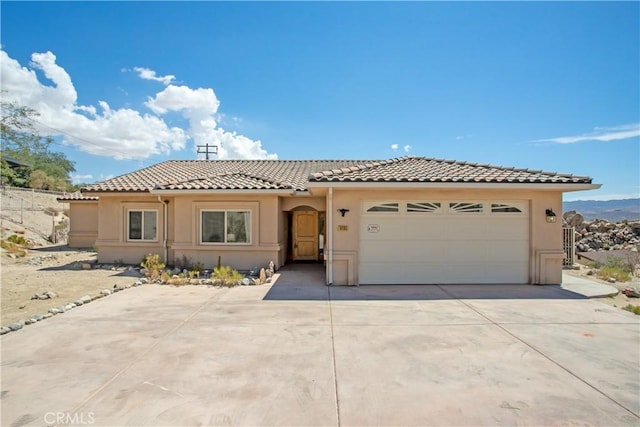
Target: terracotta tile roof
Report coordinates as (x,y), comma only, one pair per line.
(296,174)
(422,169)
(220,175)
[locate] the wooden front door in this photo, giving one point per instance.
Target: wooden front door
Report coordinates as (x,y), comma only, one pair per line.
(305,236)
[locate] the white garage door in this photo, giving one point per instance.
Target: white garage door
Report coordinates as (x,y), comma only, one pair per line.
(444,241)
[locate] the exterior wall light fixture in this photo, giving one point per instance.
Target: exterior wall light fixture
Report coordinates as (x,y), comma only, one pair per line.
(551,216)
(343,211)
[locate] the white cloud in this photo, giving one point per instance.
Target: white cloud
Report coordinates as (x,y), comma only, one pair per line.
(407,148)
(602,134)
(78,179)
(394,146)
(200,108)
(147,74)
(120,133)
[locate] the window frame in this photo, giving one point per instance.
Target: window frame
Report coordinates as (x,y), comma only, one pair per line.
(248,227)
(142,225)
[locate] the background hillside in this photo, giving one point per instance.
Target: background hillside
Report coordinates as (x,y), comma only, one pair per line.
(610,210)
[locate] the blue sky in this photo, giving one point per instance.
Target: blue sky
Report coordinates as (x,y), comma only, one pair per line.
(541,85)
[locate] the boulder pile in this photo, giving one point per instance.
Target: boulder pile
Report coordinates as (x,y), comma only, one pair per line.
(600,234)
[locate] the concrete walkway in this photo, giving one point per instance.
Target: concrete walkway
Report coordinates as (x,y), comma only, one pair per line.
(586,287)
(298,353)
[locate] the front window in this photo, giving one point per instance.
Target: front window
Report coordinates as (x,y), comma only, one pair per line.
(226,227)
(143,225)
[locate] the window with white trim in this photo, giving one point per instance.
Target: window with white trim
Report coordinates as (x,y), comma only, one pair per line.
(142,225)
(466,207)
(424,207)
(225,226)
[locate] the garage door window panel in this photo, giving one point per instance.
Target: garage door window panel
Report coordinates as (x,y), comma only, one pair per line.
(424,207)
(466,208)
(393,207)
(507,208)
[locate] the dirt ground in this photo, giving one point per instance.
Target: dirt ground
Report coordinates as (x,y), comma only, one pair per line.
(619,300)
(57,269)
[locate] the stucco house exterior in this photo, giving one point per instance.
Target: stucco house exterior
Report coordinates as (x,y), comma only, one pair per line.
(409,220)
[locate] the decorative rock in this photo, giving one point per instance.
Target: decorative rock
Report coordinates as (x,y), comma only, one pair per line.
(246,281)
(86,266)
(54,311)
(256,282)
(30,321)
(78,302)
(137,283)
(50,294)
(38,317)
(263,276)
(48,315)
(105,292)
(68,307)
(15,326)
(85,299)
(611,280)
(4,330)
(144,281)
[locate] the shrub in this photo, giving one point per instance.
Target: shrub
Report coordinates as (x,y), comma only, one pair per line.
(13,248)
(153,266)
(227,276)
(635,309)
(183,262)
(616,268)
(18,240)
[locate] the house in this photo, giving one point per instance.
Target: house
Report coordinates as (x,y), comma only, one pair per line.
(409,220)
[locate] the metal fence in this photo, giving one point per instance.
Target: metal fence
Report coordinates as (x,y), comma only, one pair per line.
(568,245)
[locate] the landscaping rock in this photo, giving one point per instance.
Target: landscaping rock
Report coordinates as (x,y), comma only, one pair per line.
(30,321)
(263,276)
(68,307)
(4,330)
(48,315)
(54,311)
(50,294)
(105,292)
(16,326)
(86,266)
(85,299)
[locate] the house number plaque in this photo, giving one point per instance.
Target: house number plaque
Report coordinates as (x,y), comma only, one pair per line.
(373,228)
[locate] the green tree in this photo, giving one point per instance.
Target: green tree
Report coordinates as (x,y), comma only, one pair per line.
(20,141)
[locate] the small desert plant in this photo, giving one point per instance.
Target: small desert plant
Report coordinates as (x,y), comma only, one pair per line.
(153,266)
(635,309)
(12,248)
(227,276)
(18,240)
(183,262)
(616,268)
(198,266)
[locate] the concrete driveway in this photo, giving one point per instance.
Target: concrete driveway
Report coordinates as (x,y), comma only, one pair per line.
(299,353)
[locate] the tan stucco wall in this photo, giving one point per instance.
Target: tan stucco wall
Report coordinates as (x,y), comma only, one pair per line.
(112,241)
(269,227)
(545,239)
(83,224)
(183,231)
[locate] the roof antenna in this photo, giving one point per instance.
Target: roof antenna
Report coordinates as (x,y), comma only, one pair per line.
(214,150)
